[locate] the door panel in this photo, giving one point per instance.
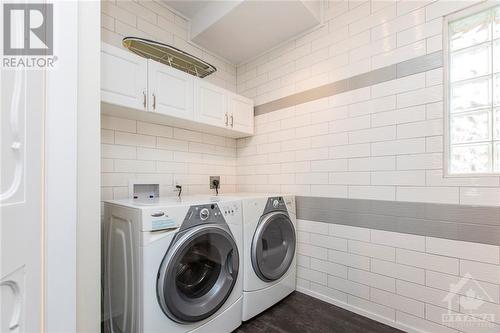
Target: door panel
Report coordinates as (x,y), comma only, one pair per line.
(241,113)
(21,223)
(211,104)
(123,78)
(171,91)
(12,295)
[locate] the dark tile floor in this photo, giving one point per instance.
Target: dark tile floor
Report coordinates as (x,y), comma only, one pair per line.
(300,313)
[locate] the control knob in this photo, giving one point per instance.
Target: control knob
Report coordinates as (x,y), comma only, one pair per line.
(204,214)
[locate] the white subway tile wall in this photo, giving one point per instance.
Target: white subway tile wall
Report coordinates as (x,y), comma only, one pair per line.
(150,152)
(154,20)
(355,146)
(382,142)
(403,279)
(352,40)
(169,156)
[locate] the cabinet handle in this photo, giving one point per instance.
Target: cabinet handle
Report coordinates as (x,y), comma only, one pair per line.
(154,101)
(144,99)
(232,120)
(227,120)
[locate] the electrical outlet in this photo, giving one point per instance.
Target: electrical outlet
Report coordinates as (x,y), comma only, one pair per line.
(212,178)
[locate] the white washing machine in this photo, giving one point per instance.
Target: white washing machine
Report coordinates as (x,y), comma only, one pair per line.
(173,266)
(269,244)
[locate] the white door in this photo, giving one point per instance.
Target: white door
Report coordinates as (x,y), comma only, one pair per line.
(37,197)
(21,222)
(211,104)
(240,114)
(124,78)
(171,91)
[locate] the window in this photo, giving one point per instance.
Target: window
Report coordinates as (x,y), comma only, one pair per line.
(473,93)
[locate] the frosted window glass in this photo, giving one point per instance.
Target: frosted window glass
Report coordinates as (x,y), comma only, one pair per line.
(471,158)
(496,153)
(470,31)
(470,63)
(496,56)
(470,127)
(496,132)
(471,94)
(496,24)
(474,93)
(496,89)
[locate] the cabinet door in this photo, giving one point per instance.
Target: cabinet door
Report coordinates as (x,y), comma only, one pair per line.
(211,104)
(123,78)
(240,113)
(171,91)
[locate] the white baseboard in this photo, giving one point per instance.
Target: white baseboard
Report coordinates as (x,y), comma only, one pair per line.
(359,311)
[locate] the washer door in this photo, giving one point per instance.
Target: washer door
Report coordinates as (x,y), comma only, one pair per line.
(198,274)
(273,246)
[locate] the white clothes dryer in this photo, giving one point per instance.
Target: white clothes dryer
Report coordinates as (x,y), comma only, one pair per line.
(173,265)
(269,246)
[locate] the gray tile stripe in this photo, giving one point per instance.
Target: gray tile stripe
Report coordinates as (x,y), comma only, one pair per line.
(420,64)
(479,224)
(396,71)
(303,97)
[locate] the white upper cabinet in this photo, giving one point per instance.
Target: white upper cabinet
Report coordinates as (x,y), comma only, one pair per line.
(211,103)
(172,97)
(170,91)
(240,111)
(124,78)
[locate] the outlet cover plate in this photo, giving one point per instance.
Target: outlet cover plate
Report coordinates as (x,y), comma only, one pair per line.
(212,178)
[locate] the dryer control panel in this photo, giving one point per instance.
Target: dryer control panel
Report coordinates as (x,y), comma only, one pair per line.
(274,204)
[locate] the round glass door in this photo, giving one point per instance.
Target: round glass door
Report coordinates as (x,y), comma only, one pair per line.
(273,246)
(198,274)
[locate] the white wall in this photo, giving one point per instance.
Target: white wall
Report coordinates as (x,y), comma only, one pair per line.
(400,279)
(88,273)
(136,150)
(153,20)
(357,36)
(379,142)
(60,156)
(152,152)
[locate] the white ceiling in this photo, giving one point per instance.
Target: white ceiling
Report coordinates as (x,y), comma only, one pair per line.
(188,8)
(239,30)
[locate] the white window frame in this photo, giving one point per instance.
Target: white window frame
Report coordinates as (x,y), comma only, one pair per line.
(462,13)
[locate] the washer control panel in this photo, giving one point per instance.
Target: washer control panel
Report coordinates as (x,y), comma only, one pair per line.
(163,218)
(230,208)
(203,214)
(158,214)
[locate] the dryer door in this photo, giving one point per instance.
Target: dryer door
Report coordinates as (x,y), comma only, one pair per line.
(198,273)
(273,246)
